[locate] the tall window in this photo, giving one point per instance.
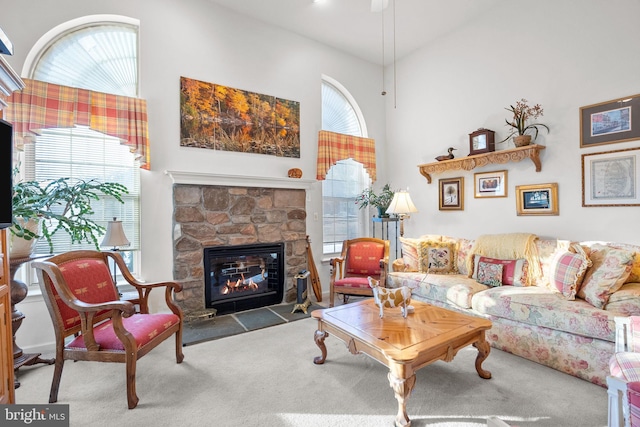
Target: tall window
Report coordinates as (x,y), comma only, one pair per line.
(103,57)
(341,218)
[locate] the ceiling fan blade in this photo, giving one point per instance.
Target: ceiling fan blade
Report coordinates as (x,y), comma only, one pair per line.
(379,5)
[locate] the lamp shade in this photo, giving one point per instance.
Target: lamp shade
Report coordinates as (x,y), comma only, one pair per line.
(401,204)
(115,236)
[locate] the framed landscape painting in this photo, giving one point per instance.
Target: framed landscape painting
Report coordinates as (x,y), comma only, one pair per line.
(451,194)
(611,121)
(537,199)
(490,184)
(611,178)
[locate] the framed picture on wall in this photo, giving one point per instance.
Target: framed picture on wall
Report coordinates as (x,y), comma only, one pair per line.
(490,184)
(451,194)
(611,121)
(537,199)
(611,178)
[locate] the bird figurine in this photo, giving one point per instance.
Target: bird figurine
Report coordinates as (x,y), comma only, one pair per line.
(448,156)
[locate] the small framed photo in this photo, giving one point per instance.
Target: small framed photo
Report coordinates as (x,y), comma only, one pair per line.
(611,121)
(611,178)
(451,194)
(537,199)
(490,184)
(481,141)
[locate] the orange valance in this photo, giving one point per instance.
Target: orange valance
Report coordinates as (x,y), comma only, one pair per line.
(42,105)
(333,147)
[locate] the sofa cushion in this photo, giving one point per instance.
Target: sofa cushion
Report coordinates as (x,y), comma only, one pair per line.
(514,271)
(489,273)
(463,251)
(437,257)
(610,269)
(411,249)
(567,272)
(625,365)
(456,289)
(625,300)
(538,306)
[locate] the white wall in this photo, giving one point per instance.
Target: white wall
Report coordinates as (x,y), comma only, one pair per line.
(200,40)
(562,54)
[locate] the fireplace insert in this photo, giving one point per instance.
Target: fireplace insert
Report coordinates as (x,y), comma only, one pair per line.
(243,277)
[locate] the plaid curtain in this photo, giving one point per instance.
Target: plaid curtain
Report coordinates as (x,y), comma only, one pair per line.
(333,147)
(43,105)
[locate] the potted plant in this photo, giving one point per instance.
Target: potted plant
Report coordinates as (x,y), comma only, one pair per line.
(42,209)
(522,114)
(381,201)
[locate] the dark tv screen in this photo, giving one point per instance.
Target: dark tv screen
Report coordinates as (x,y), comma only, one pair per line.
(6,169)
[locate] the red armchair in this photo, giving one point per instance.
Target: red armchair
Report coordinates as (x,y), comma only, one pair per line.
(85,307)
(360,258)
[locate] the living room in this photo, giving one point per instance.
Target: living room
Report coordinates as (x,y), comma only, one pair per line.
(561,54)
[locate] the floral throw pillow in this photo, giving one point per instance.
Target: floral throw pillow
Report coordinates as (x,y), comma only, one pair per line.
(610,269)
(437,257)
(567,271)
(490,274)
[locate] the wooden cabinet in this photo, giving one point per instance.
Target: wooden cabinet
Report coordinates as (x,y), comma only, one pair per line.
(7,392)
(471,162)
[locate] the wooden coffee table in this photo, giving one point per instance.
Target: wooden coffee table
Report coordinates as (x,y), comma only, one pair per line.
(428,334)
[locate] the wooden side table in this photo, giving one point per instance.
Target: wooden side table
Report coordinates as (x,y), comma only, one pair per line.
(19,291)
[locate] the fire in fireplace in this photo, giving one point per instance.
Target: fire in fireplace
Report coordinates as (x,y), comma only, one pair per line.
(243,277)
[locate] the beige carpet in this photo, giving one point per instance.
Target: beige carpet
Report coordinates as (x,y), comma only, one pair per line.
(267,378)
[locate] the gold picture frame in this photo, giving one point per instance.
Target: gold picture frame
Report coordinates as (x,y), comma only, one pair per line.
(490,184)
(537,199)
(451,194)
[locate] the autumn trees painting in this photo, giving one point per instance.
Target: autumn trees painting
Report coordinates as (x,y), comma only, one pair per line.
(223,118)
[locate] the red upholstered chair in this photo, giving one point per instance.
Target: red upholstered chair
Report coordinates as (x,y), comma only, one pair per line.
(360,258)
(85,307)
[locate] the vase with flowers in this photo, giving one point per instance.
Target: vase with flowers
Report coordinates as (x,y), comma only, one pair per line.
(520,123)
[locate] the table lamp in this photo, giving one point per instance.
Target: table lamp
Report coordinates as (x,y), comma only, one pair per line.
(402,206)
(115,238)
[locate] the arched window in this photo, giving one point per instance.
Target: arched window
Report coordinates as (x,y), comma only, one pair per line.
(341,218)
(98,53)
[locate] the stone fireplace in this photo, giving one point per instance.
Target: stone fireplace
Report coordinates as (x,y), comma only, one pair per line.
(212,216)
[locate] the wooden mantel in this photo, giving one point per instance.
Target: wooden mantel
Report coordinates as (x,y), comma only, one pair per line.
(471,162)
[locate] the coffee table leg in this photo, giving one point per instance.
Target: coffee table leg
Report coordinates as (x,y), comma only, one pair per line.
(483,352)
(402,389)
(319,338)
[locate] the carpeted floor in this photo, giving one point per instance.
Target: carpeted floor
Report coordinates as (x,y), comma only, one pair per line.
(198,331)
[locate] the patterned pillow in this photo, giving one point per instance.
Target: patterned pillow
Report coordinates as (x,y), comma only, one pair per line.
(625,300)
(437,257)
(567,272)
(410,249)
(611,268)
(490,274)
(463,251)
(514,271)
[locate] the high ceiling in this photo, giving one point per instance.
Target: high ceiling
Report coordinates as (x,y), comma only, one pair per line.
(351,26)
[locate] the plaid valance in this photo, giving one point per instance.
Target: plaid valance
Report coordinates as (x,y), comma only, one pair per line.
(43,105)
(333,147)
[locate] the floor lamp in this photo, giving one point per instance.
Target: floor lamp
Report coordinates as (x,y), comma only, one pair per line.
(115,238)
(402,206)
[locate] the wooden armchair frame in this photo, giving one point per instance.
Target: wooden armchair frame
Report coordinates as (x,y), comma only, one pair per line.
(86,345)
(339,270)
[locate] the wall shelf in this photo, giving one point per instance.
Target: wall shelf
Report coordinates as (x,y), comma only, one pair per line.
(471,162)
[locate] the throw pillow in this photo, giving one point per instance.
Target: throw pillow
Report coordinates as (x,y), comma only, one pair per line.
(410,253)
(625,300)
(490,274)
(514,271)
(611,268)
(567,271)
(437,257)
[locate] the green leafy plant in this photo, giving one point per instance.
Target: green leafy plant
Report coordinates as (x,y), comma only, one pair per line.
(61,204)
(368,197)
(523,113)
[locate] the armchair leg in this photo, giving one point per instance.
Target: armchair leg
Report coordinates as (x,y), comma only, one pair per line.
(132,397)
(332,296)
(179,354)
(55,384)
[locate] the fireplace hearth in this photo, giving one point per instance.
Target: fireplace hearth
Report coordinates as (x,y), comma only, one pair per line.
(243,277)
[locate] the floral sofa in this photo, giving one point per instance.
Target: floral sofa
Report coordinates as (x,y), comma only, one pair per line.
(550,301)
